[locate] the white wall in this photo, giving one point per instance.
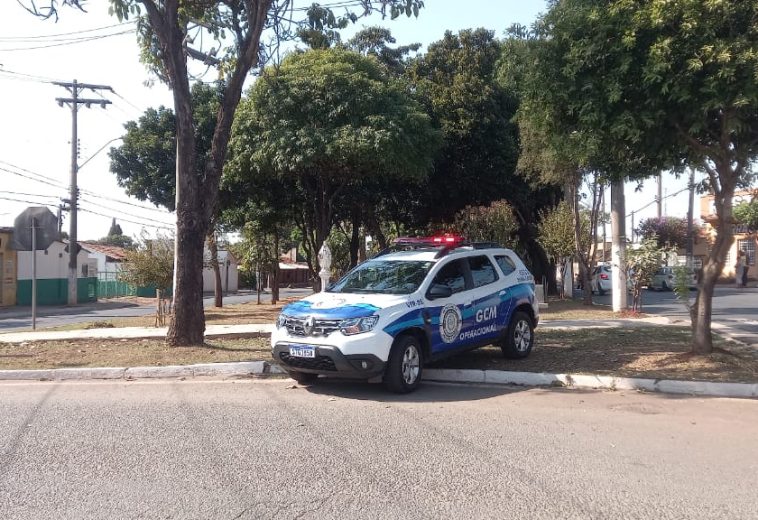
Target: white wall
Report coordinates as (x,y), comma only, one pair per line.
(232,278)
(53,263)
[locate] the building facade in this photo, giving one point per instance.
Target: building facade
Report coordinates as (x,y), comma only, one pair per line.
(52,276)
(8,268)
(745,239)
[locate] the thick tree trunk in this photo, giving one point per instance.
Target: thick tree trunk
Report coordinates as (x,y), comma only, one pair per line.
(702,339)
(275,270)
(218,295)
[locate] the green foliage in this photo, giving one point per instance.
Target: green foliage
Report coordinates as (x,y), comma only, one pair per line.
(641,264)
(145,163)
(669,231)
(493,223)
(375,41)
(556,232)
(455,80)
(326,130)
(150,263)
(746,213)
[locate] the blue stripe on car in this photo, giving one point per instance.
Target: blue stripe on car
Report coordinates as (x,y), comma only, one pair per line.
(303,309)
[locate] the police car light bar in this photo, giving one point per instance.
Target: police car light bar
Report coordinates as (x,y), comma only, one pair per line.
(442,240)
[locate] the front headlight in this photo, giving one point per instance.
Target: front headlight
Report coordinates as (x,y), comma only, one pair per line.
(358,325)
(281,321)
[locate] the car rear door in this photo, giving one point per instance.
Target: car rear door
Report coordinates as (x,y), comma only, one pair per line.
(446,314)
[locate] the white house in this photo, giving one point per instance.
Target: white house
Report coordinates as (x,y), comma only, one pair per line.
(52,276)
(229,275)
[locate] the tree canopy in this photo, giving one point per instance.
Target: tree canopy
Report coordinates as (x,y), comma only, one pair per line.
(325,124)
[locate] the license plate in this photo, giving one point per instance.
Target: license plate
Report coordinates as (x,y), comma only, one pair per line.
(306,351)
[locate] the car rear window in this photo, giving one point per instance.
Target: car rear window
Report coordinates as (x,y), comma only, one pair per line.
(506,264)
(482,271)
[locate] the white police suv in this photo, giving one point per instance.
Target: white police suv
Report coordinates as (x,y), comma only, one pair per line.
(423,300)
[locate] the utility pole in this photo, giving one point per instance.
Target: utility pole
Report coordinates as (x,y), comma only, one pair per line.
(659,199)
(74,101)
(690,235)
(618,236)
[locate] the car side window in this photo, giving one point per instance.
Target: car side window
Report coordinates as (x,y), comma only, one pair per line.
(451,275)
(482,270)
(506,264)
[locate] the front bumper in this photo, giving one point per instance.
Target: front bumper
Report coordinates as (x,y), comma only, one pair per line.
(329,361)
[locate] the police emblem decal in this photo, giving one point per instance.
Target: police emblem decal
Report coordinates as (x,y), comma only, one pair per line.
(308,325)
(450,323)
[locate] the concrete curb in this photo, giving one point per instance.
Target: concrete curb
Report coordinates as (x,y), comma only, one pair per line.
(597,382)
(247,368)
(497,377)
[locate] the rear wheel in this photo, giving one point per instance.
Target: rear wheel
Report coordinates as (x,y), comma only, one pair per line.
(664,286)
(304,378)
(600,290)
(405,365)
(520,337)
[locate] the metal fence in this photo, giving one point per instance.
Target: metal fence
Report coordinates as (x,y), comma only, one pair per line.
(108,286)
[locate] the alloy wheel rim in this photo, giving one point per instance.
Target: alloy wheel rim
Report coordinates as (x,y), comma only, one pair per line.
(522,336)
(411,365)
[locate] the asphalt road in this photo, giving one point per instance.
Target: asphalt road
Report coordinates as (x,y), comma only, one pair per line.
(18,319)
(261,449)
(734,308)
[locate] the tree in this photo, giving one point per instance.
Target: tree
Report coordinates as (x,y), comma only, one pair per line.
(376,41)
(149,264)
(457,82)
(323,124)
(167,31)
(746,213)
(493,223)
(666,84)
(116,237)
(641,264)
(668,231)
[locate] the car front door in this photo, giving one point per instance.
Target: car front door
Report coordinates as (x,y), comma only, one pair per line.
(446,314)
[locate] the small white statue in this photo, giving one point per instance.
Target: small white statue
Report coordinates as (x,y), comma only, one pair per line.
(325,261)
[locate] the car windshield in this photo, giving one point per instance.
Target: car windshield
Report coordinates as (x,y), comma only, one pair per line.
(383,276)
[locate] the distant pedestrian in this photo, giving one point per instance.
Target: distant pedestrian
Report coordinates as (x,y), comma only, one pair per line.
(745,269)
(740,269)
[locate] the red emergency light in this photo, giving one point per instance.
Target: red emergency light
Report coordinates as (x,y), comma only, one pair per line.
(440,240)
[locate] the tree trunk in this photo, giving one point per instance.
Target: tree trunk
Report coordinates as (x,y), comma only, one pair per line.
(218,299)
(187,325)
(701,312)
(275,270)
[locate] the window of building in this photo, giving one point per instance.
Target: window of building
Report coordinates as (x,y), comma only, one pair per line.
(748,246)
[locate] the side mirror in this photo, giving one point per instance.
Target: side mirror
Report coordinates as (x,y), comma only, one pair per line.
(438,291)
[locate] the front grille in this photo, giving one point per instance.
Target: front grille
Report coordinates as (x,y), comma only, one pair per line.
(317,363)
(296,326)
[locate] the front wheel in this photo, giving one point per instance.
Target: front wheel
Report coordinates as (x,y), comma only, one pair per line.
(405,365)
(520,337)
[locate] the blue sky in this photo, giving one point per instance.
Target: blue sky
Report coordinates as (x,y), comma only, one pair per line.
(35,135)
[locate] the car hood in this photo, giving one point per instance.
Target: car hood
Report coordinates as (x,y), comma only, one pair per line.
(342,305)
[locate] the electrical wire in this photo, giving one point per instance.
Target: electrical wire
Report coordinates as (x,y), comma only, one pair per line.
(57,35)
(60,44)
(33,178)
(126,220)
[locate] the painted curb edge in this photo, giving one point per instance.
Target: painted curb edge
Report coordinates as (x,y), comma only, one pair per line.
(498,377)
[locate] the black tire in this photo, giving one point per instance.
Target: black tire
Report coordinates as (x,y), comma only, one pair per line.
(404,366)
(600,291)
(304,378)
(665,286)
(519,340)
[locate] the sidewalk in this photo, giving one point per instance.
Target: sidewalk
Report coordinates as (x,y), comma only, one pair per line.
(132,333)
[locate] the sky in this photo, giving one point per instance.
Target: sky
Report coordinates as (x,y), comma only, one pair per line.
(35,136)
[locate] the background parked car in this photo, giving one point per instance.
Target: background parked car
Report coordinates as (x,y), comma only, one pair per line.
(601,279)
(665,279)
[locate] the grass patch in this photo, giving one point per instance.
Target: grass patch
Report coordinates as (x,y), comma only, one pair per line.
(240,313)
(659,352)
(128,353)
(575,310)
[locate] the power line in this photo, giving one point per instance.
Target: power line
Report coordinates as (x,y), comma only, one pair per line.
(83,31)
(126,220)
(29,171)
(11,199)
(41,195)
(32,178)
(60,44)
(109,208)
